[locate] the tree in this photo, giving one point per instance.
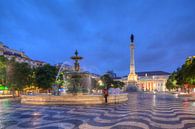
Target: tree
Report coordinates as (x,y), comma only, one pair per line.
(3,66)
(184,77)
(108,82)
(190,77)
(22,75)
(10,76)
(118,84)
(45,76)
(32,77)
(189,74)
(18,75)
(172,82)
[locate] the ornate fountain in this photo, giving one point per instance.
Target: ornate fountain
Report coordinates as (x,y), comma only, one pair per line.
(76,58)
(77,86)
(74,80)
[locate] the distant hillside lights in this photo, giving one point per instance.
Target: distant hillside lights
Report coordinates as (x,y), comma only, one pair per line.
(19,56)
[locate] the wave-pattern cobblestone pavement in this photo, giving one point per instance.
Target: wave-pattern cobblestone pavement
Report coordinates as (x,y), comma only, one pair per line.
(142,111)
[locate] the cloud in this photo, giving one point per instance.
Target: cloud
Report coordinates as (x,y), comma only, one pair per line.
(51,31)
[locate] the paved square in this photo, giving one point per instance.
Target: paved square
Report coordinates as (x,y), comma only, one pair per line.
(141,111)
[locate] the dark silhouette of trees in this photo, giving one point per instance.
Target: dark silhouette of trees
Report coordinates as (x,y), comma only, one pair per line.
(17,76)
(109,82)
(45,76)
(183,77)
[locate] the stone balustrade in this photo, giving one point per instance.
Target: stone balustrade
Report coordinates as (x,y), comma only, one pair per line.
(5,96)
(72,99)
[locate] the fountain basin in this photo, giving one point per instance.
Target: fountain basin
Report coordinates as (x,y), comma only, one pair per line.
(72,99)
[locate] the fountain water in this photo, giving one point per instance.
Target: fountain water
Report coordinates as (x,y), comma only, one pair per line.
(73,81)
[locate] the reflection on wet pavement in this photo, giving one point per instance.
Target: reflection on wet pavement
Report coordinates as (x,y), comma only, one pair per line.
(141,111)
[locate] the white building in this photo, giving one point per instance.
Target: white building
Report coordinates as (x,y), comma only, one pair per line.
(150,80)
(19,56)
(153,81)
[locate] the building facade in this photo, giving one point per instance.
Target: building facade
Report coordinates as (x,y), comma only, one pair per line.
(152,81)
(149,81)
(19,56)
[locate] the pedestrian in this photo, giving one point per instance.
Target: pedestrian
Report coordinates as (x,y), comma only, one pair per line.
(105,92)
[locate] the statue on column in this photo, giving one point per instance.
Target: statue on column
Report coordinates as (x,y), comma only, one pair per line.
(132,38)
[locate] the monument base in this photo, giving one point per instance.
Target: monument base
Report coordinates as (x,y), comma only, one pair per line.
(132,86)
(132,77)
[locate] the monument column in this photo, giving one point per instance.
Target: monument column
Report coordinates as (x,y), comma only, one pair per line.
(132,77)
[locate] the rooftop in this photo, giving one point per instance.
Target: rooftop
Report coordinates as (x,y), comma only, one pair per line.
(152,73)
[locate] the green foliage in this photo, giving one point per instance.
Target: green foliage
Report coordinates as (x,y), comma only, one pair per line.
(3,64)
(45,76)
(32,77)
(118,84)
(190,76)
(60,80)
(17,75)
(10,81)
(172,82)
(184,75)
(106,81)
(21,75)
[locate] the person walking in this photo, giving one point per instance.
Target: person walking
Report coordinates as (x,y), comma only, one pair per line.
(105,93)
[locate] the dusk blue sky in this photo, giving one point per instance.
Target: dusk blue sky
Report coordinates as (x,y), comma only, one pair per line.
(51,30)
